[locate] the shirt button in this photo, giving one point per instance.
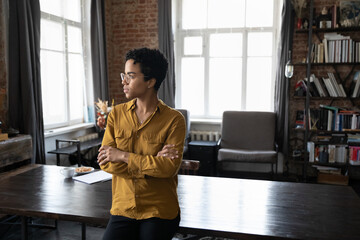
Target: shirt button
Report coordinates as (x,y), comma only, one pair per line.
(136,196)
(137,136)
(135,180)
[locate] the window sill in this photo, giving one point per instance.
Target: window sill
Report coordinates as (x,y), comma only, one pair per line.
(72,128)
(205,121)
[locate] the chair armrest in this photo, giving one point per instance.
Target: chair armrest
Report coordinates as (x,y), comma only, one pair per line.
(276,146)
(218,143)
(57,141)
(69,141)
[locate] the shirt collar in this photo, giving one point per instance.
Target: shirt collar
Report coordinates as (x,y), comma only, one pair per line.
(130,105)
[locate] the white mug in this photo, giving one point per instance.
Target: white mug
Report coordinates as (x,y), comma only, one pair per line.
(68,172)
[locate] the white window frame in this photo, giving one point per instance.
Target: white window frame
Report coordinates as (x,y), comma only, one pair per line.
(82,26)
(180,34)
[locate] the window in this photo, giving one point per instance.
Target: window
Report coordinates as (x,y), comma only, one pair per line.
(225,55)
(62,62)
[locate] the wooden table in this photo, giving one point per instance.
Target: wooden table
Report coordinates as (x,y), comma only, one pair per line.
(234,208)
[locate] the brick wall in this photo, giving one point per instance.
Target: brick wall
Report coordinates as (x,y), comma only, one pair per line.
(3,82)
(129,24)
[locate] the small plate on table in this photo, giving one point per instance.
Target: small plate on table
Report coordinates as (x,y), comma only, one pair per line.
(83,170)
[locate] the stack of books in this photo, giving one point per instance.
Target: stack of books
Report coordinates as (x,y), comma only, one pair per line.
(335,48)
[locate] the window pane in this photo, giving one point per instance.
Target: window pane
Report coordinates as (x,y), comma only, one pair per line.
(194,14)
(192,85)
(193,45)
(258,84)
(52,36)
(51,6)
(259,13)
(53,87)
(225,85)
(226,45)
(226,13)
(260,44)
(72,10)
(76,80)
(74,40)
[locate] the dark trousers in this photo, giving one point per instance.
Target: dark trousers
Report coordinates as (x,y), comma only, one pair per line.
(123,228)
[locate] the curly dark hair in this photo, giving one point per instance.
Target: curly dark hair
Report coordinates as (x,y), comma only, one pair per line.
(153,64)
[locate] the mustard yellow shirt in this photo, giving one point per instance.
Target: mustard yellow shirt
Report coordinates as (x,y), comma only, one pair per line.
(144,187)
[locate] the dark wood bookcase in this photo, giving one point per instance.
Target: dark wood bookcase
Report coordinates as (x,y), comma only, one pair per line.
(344,72)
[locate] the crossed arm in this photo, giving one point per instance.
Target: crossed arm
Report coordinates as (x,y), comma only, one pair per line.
(112,154)
(132,165)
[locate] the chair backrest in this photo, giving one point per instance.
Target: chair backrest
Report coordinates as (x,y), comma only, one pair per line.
(186,115)
(189,166)
(248,130)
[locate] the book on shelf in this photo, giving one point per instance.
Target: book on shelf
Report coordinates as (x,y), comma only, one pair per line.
(329,170)
(318,86)
(300,88)
(329,87)
(354,155)
(312,87)
(300,119)
(334,11)
(323,86)
(337,48)
(335,85)
(331,149)
(323,154)
(329,153)
(355,85)
(332,117)
(314,119)
(311,151)
(339,119)
(326,53)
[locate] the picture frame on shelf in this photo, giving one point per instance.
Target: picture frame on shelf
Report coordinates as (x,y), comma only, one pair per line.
(349,13)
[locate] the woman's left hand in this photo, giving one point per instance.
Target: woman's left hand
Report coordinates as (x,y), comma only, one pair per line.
(110,154)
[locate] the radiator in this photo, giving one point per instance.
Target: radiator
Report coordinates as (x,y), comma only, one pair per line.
(204,136)
(93,152)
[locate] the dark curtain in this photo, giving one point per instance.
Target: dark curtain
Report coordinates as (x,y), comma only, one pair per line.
(98,50)
(166,91)
(25,105)
(282,83)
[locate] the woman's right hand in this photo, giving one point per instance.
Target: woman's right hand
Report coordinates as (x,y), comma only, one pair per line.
(101,122)
(168,151)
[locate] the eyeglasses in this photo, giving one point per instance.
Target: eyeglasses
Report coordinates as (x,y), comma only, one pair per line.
(128,77)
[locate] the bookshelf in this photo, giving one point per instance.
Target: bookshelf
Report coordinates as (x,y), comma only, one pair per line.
(343,71)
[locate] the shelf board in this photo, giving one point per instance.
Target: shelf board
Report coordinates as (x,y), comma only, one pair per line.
(329,164)
(341,29)
(326,64)
(324,98)
(327,132)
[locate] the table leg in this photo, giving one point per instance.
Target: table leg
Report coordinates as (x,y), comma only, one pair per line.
(83,231)
(58,159)
(24,228)
(78,154)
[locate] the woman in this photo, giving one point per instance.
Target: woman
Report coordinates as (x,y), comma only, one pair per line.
(142,148)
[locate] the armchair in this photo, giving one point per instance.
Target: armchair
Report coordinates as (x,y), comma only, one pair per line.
(247,138)
(186,115)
